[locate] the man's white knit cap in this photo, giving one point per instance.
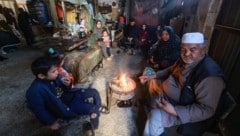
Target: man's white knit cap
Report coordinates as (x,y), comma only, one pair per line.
(193,37)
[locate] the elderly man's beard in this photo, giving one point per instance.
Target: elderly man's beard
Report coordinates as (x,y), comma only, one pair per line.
(190,60)
(187,60)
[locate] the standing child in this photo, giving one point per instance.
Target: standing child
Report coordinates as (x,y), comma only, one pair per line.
(106,45)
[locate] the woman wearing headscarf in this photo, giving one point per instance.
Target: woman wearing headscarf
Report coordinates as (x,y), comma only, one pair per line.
(168,48)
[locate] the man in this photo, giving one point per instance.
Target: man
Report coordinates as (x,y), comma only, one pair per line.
(131,35)
(24,23)
(194,72)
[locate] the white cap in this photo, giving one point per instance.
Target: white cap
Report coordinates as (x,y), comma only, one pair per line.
(194,37)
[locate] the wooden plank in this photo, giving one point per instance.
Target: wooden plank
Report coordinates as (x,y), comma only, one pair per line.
(228,29)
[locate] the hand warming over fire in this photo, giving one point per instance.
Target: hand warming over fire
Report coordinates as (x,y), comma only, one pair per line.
(165,105)
(146,78)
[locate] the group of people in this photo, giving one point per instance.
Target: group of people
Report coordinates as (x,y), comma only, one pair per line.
(185,91)
(161,46)
(103,39)
(188,84)
(11,27)
(22,23)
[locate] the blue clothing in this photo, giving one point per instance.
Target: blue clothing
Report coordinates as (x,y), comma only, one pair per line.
(167,52)
(43,102)
(85,102)
(50,100)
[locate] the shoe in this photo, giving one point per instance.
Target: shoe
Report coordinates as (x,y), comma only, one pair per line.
(126,103)
(108,59)
(88,129)
(104,110)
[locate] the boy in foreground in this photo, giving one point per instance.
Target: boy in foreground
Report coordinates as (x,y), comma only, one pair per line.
(52,100)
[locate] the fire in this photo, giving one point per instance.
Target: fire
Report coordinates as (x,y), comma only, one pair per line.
(122,87)
(123,80)
(122,83)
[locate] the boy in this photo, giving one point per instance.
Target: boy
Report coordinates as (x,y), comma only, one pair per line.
(51,98)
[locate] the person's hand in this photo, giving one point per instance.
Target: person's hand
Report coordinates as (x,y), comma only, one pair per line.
(147,78)
(165,105)
(144,78)
(66,81)
(55,125)
(93,115)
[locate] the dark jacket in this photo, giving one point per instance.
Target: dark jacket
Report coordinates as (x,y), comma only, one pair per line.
(206,87)
(24,21)
(167,51)
(206,68)
(132,31)
(42,100)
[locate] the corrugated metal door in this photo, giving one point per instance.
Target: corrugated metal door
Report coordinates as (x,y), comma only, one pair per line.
(225,49)
(225,44)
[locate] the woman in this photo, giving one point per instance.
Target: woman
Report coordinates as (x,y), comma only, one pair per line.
(168,48)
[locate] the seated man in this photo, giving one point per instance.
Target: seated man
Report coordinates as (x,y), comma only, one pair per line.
(188,93)
(52,100)
(131,35)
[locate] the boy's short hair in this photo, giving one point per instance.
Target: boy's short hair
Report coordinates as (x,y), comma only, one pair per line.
(56,55)
(42,65)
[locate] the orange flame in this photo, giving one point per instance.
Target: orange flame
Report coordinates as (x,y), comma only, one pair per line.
(123,80)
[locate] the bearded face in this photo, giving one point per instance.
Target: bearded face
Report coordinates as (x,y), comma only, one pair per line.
(191,53)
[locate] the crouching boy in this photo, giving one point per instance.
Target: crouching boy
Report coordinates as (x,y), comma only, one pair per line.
(52,100)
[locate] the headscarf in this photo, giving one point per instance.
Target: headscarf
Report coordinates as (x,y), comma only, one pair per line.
(168,51)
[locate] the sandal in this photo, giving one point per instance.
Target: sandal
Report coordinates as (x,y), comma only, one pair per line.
(126,103)
(104,110)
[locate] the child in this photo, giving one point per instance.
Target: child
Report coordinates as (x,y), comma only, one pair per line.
(98,30)
(50,106)
(59,58)
(106,45)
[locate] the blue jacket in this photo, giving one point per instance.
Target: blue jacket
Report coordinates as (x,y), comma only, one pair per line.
(43,101)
